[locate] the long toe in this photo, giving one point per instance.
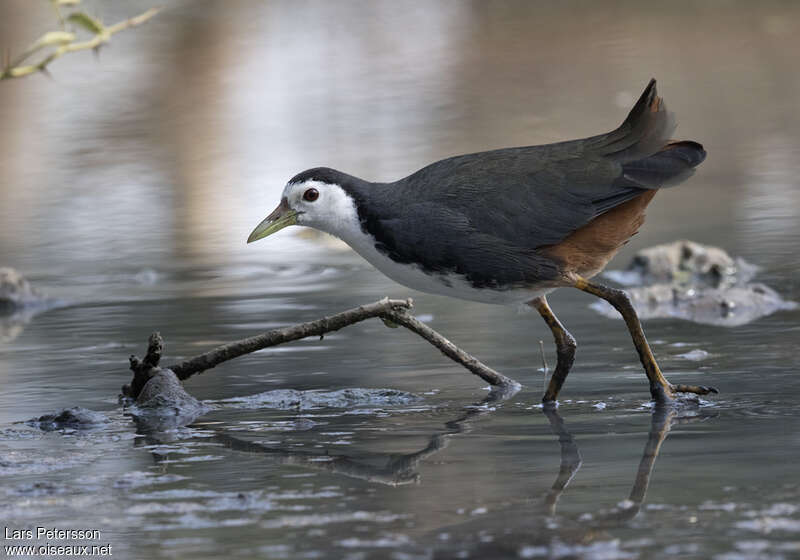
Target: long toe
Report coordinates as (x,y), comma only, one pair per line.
(696,389)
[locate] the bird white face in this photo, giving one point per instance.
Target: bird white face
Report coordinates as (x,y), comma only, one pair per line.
(323,206)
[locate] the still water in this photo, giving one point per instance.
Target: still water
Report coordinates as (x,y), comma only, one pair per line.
(129,183)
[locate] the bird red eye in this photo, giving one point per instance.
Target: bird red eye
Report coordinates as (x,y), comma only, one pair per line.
(311,195)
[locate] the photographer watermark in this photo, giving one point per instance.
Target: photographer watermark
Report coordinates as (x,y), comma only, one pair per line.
(53,541)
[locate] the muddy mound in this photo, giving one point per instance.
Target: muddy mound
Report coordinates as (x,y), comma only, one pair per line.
(700,283)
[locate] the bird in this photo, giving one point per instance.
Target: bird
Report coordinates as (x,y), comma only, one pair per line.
(508,226)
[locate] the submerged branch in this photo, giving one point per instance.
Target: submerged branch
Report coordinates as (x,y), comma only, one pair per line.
(391,311)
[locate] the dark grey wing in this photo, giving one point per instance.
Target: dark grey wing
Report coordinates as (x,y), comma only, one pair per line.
(444,241)
(529,197)
(538,195)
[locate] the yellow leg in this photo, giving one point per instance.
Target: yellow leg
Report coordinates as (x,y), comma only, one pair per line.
(660,388)
(565,347)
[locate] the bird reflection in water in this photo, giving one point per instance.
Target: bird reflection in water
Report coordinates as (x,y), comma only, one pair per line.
(537,523)
(529,521)
(661,421)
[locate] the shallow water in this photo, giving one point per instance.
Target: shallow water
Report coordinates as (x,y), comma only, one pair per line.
(128,186)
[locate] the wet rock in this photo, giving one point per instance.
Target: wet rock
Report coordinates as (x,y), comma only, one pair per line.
(685,263)
(16,292)
(155,397)
(163,404)
(726,307)
(163,385)
(19,303)
(75,418)
(687,280)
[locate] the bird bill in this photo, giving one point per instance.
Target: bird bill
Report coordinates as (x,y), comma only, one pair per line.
(281,217)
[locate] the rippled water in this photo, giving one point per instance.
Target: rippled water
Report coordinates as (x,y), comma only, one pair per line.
(129,184)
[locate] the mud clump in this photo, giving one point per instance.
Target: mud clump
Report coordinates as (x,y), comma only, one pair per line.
(699,283)
(75,418)
(155,397)
(163,404)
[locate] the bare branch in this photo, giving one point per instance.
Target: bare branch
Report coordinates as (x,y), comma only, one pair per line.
(449,349)
(186,369)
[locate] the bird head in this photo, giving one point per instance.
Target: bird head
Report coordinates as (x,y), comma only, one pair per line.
(314,198)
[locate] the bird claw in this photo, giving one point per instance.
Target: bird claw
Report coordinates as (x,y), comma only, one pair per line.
(695,389)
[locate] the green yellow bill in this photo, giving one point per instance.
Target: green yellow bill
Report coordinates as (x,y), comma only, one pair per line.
(281,217)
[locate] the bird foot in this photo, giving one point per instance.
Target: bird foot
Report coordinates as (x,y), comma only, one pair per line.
(695,389)
(668,394)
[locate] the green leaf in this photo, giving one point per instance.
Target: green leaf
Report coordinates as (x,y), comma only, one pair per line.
(86,21)
(66,2)
(54,38)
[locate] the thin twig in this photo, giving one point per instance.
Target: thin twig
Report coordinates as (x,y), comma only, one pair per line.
(449,349)
(133,22)
(187,368)
(544,363)
(545,369)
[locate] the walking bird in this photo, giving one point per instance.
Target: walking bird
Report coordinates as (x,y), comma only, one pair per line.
(509,226)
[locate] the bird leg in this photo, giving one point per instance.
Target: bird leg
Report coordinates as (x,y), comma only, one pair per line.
(660,388)
(565,347)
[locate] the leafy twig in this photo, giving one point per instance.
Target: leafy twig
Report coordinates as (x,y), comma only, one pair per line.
(66,42)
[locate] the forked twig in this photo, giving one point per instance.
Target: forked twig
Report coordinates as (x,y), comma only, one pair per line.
(391,310)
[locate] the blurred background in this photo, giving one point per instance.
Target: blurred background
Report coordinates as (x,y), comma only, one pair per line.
(180,136)
(129,182)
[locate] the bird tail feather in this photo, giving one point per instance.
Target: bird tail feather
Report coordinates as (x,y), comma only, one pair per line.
(642,145)
(671,165)
(645,131)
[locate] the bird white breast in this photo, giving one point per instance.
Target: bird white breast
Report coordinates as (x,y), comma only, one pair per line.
(341,219)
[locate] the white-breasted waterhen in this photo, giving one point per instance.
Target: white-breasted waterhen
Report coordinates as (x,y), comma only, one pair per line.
(511,225)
